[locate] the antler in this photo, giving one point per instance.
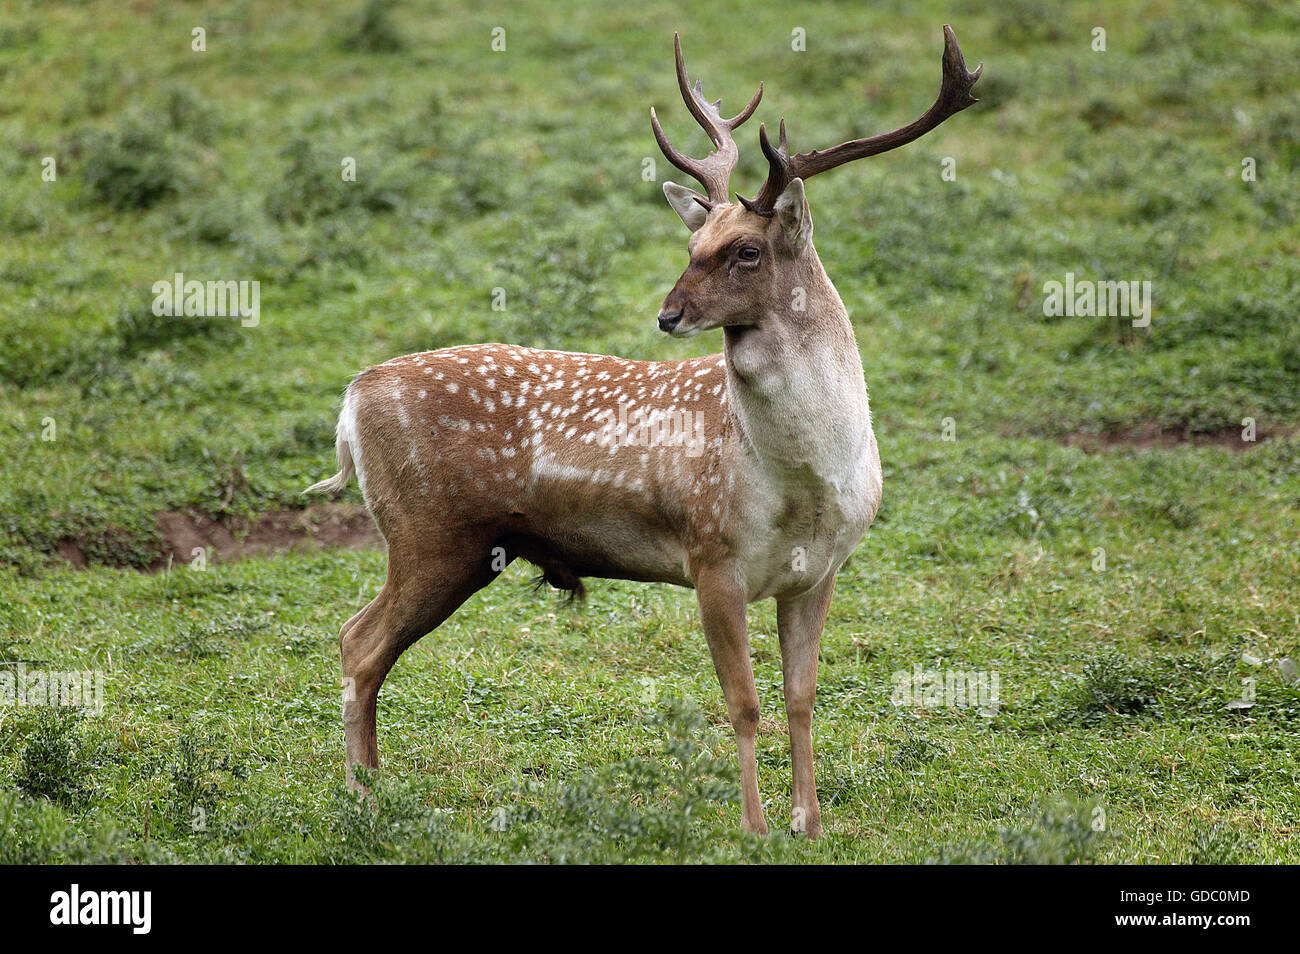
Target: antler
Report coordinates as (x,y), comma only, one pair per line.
(783,168)
(714,171)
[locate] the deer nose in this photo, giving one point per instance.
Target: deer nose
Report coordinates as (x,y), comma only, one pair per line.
(668,320)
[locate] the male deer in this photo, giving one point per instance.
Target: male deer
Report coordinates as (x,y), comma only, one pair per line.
(470,457)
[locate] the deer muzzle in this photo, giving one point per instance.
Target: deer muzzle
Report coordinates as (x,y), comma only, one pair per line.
(669,319)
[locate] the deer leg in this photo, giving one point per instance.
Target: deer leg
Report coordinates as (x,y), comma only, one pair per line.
(407,608)
(361,652)
(722,611)
(799,624)
(343,633)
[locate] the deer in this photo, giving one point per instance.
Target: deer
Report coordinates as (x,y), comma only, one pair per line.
(747,475)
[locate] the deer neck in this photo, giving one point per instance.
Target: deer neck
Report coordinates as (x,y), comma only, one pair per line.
(795,388)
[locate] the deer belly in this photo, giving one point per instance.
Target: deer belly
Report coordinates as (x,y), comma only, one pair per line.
(613,544)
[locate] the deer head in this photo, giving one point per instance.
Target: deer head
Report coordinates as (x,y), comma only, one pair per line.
(747,258)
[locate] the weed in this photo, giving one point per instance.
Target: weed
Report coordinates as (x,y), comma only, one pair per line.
(1113,685)
(137,163)
(1064,833)
(373,30)
(199,778)
(58,761)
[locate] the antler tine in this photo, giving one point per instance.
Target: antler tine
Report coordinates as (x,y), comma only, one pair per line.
(783,168)
(714,171)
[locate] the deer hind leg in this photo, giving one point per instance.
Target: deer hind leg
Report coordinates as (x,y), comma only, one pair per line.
(343,633)
(799,624)
(722,611)
(412,603)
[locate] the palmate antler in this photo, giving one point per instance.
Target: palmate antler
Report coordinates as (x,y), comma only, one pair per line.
(714,171)
(783,168)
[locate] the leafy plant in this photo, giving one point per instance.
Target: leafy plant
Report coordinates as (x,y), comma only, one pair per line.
(1113,685)
(58,761)
(1063,833)
(200,775)
(137,163)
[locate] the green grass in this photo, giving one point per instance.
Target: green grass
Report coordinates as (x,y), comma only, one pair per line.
(522,730)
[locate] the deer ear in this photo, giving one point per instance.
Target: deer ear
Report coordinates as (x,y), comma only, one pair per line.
(689,205)
(792,212)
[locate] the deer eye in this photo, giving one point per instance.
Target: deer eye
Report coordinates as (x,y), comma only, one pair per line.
(749,254)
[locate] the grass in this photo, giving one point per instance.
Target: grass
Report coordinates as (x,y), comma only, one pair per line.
(1126,599)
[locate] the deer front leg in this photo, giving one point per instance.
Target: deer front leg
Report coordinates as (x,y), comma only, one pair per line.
(799,624)
(722,611)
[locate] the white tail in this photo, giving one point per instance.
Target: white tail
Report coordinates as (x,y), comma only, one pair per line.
(343,448)
(747,475)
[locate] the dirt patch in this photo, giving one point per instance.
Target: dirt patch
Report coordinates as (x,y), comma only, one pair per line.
(1149,436)
(181,534)
(70,551)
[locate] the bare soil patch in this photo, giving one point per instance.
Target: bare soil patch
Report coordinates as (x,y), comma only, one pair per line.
(182,534)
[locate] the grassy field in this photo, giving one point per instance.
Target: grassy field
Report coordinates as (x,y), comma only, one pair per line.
(1069,503)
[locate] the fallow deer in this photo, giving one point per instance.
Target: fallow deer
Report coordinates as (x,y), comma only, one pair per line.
(746,475)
